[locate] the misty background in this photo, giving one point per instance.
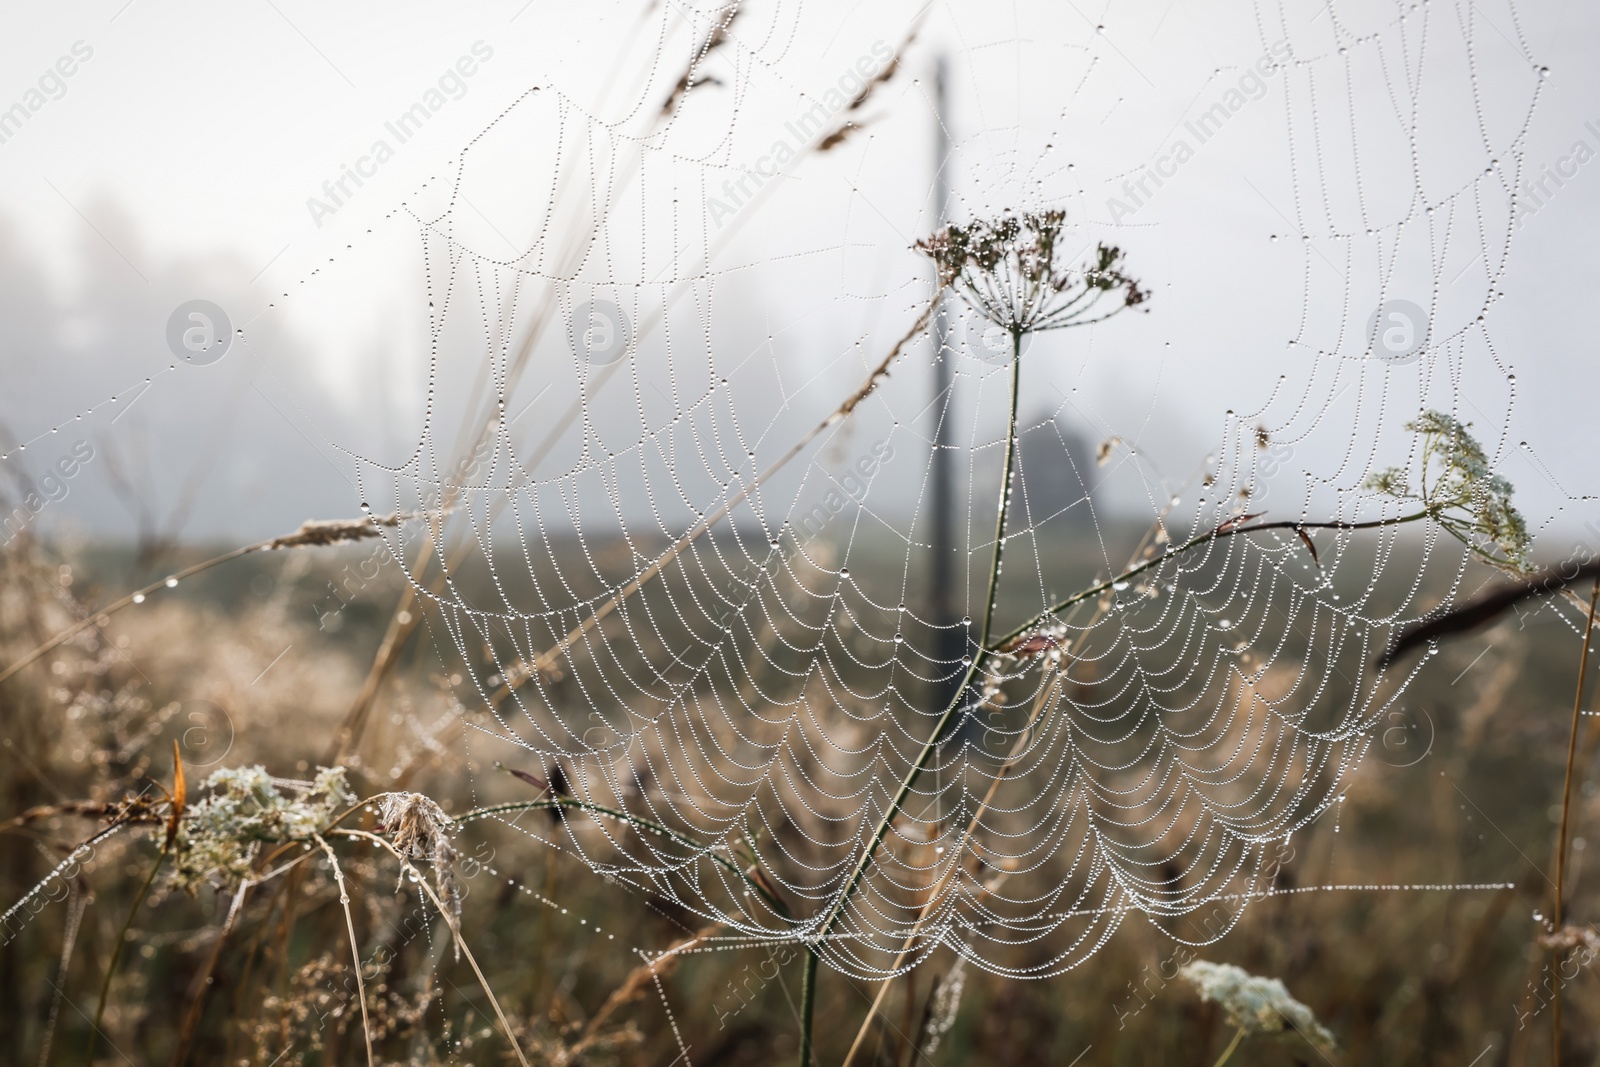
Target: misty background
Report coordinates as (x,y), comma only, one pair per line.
(184,159)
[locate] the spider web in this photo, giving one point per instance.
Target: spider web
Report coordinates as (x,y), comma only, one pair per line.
(714,634)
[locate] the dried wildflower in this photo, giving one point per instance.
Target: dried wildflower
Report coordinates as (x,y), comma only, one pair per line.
(420,829)
(1012,271)
(245,808)
(1255,1005)
(1456,485)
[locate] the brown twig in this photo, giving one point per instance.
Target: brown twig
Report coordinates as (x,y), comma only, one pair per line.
(1483,610)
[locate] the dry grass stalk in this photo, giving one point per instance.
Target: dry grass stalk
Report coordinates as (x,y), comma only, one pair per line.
(849,126)
(723,22)
(355,950)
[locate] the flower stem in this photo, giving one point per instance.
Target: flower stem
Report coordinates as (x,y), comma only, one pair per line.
(1238,1036)
(941,728)
(808,1002)
(355,949)
(1005,492)
(1566,804)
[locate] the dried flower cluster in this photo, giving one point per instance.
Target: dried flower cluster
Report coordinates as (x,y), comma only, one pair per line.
(1013,271)
(1457,485)
(420,829)
(1255,1005)
(242,809)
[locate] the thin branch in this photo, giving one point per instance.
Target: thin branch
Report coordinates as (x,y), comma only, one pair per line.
(1195,542)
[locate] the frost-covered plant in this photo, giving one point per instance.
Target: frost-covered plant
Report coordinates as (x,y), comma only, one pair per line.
(243,808)
(1254,1005)
(1013,271)
(1456,485)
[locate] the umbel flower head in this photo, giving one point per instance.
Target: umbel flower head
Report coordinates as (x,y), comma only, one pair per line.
(1013,271)
(1455,483)
(1255,1005)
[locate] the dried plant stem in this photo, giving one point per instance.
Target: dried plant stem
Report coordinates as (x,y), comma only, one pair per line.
(1227,1053)
(355,950)
(388,654)
(455,932)
(634,984)
(1566,806)
(93,618)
